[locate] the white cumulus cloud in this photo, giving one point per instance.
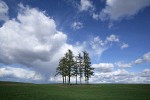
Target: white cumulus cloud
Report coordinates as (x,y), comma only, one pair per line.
(103,67)
(138,61)
(145,58)
(118,9)
(33,41)
(20,74)
(145,73)
(123,65)
(121,76)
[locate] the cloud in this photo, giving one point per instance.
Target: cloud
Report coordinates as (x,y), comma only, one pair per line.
(145,73)
(123,65)
(29,39)
(95,16)
(138,61)
(3,11)
(113,38)
(124,45)
(76,25)
(103,67)
(120,72)
(19,74)
(100,41)
(121,76)
(99,46)
(34,41)
(85,5)
(109,77)
(141,77)
(145,58)
(119,9)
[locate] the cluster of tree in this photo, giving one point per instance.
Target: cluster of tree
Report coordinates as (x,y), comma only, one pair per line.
(74,66)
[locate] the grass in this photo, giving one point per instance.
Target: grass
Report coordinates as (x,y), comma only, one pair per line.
(25,91)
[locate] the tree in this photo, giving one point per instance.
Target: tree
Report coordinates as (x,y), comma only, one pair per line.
(75,70)
(65,67)
(70,64)
(61,69)
(80,67)
(88,70)
(65,71)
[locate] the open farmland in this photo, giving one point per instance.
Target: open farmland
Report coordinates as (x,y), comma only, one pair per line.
(26,91)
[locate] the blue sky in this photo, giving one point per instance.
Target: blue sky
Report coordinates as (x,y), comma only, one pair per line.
(35,34)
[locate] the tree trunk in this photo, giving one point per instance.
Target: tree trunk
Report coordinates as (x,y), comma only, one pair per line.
(69,79)
(76,79)
(80,81)
(80,75)
(80,72)
(87,80)
(63,79)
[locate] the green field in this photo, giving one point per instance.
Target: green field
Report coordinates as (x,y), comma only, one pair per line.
(24,91)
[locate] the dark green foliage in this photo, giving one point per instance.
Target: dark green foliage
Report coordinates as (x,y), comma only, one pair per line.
(22,91)
(65,67)
(62,68)
(88,70)
(75,70)
(80,67)
(70,64)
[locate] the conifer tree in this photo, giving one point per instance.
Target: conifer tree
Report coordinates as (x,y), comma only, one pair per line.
(88,70)
(61,68)
(70,64)
(76,70)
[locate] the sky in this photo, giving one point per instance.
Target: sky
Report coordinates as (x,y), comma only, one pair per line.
(35,34)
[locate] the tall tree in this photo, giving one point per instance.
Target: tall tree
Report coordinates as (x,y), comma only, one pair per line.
(61,69)
(75,70)
(66,67)
(80,67)
(88,70)
(65,71)
(70,64)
